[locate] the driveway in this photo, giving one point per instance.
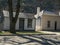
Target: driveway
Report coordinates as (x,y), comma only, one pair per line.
(30,40)
(51,32)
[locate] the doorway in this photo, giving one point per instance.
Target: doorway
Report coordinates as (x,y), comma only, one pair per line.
(55,25)
(21,24)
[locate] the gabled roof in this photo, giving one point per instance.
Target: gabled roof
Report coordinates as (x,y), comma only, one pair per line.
(21,15)
(50,13)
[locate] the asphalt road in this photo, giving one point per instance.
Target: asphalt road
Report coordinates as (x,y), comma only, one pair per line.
(30,40)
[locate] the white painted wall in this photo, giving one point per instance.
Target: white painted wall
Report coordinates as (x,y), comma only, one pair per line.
(21,15)
(52,19)
(17,25)
(38,24)
(6,23)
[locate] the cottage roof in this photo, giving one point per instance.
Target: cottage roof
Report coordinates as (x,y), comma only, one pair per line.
(21,15)
(44,12)
(50,13)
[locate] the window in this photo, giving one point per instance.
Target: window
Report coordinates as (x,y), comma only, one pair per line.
(48,24)
(29,23)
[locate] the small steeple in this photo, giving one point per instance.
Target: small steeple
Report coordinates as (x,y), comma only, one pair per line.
(59,13)
(38,10)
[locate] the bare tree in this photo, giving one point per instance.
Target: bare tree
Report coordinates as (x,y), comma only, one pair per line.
(13,20)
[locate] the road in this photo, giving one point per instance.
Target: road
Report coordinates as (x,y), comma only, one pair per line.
(30,40)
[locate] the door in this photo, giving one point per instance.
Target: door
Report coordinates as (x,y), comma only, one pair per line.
(21,24)
(55,26)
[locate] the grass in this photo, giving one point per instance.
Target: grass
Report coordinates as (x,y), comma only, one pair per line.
(8,33)
(5,33)
(29,33)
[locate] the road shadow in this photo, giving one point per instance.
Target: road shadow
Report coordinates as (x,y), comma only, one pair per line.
(48,41)
(32,38)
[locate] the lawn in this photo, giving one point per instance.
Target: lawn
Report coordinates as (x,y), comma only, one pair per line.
(5,33)
(29,33)
(8,33)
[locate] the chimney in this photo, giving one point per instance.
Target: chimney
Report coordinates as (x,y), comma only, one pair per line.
(59,13)
(38,10)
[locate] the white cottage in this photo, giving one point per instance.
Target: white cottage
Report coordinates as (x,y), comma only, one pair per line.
(47,20)
(43,20)
(25,21)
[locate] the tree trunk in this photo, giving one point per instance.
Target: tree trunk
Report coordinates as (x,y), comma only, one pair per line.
(12,24)
(12,27)
(13,20)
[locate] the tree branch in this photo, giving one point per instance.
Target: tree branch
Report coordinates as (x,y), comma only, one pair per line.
(10,9)
(17,10)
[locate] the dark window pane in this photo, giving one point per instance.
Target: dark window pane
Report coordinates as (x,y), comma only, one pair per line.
(29,23)
(48,24)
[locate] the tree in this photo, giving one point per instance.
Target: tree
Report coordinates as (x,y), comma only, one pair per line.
(58,1)
(13,20)
(47,5)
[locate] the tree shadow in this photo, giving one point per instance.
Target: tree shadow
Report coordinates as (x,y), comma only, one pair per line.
(33,40)
(44,41)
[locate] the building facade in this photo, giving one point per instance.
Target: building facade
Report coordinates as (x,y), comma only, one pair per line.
(25,21)
(50,22)
(45,21)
